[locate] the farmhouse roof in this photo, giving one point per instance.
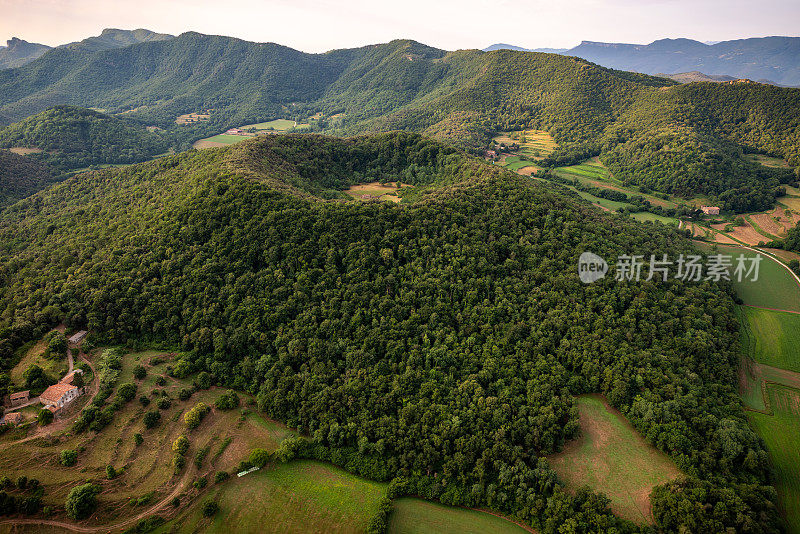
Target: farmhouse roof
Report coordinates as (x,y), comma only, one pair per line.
(78,337)
(54,393)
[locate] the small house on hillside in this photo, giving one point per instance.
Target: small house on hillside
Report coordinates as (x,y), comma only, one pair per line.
(59,395)
(78,337)
(20,397)
(710,210)
(235,131)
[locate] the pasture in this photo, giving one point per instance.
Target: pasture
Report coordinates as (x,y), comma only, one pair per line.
(611,457)
(375,190)
(533,144)
(34,355)
(768,161)
(278,125)
(781,433)
(771,337)
(301,496)
(220,140)
(647,216)
(417,516)
(775,287)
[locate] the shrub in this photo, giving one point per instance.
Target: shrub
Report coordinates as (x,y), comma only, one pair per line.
(185,393)
(138,439)
(259,457)
(126,392)
(111,473)
(82,501)
(151,418)
(163,403)
(68,457)
(195,416)
(200,483)
(144,400)
(161,381)
(228,401)
(22,482)
(45,417)
(139,372)
(221,476)
(180,445)
(210,508)
(203,380)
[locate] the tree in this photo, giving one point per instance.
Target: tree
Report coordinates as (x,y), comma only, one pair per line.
(82,501)
(68,457)
(210,508)
(260,457)
(44,417)
(180,445)
(194,417)
(139,372)
(111,473)
(57,347)
(126,391)
(138,439)
(151,418)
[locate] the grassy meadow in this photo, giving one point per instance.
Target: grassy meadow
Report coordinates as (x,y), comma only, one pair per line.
(301,496)
(772,337)
(417,516)
(613,458)
(781,433)
(775,287)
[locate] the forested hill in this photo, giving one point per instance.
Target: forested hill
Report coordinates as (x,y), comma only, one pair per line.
(438,343)
(685,139)
(21,176)
(72,138)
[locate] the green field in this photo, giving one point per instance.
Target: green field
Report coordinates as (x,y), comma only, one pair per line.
(587,170)
(611,457)
(416,516)
(227,139)
(772,337)
(647,216)
(781,433)
(775,287)
(280,125)
(302,496)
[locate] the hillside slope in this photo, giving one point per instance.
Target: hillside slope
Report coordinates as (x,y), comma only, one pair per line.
(21,176)
(461,96)
(70,138)
(439,343)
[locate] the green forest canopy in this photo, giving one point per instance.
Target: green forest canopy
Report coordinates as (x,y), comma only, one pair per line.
(438,344)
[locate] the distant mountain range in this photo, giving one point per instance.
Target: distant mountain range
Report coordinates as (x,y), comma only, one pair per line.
(20,52)
(766,59)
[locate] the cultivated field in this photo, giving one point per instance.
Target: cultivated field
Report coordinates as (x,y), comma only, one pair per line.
(416,516)
(611,457)
(24,151)
(775,288)
(301,496)
(781,433)
(190,118)
(147,479)
(772,337)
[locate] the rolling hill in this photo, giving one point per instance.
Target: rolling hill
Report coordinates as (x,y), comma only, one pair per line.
(631,120)
(71,138)
(438,344)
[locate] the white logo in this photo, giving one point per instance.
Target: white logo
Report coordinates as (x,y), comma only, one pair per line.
(591,267)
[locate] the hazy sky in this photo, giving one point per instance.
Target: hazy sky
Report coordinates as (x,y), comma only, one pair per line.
(319,25)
